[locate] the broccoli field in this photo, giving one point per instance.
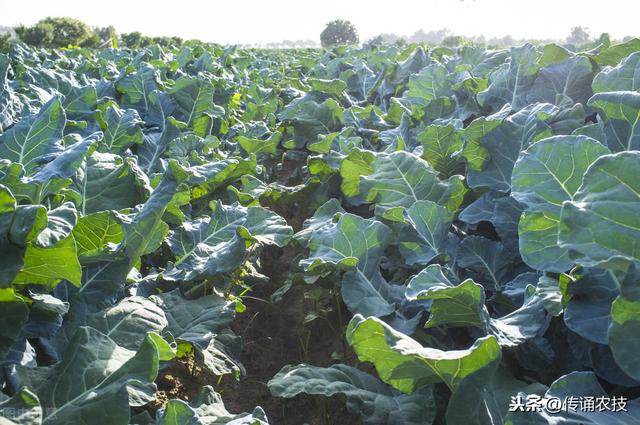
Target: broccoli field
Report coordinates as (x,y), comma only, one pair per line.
(382,235)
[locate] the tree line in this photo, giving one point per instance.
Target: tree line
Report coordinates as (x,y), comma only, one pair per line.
(58,32)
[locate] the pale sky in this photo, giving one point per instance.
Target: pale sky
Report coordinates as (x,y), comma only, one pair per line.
(255,21)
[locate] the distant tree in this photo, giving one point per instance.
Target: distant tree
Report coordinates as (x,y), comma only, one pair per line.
(132,40)
(166,41)
(105,35)
(507,40)
(452,41)
(578,35)
(431,37)
(4,42)
(56,32)
(339,32)
(40,34)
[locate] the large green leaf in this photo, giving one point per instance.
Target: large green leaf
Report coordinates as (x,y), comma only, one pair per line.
(216,244)
(620,113)
(97,236)
(564,83)
(542,180)
(57,174)
(464,305)
(491,155)
(375,402)
(49,265)
(439,144)
(511,82)
(207,178)
(198,320)
(9,103)
(430,87)
(13,316)
(128,322)
(483,398)
(353,242)
(193,97)
(588,312)
(146,230)
(612,55)
(157,142)
(136,87)
(310,119)
(122,129)
(426,235)
(34,139)
(490,260)
(601,223)
(400,179)
(406,365)
(108,182)
(95,376)
(623,77)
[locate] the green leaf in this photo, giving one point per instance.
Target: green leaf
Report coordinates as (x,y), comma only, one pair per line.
(323,217)
(511,82)
(128,322)
(94,376)
(257,146)
(612,55)
(492,155)
(427,233)
(198,320)
(601,224)
(375,402)
(588,312)
(542,180)
(491,260)
(14,314)
(122,129)
(207,178)
(146,230)
(564,83)
(620,113)
(56,175)
(406,365)
(430,84)
(483,398)
(97,236)
(35,138)
(623,77)
(193,97)
(60,224)
(137,86)
(216,244)
(440,143)
(310,119)
(333,87)
(357,163)
(400,179)
(10,106)
(47,266)
(107,182)
(623,335)
(353,242)
(157,142)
